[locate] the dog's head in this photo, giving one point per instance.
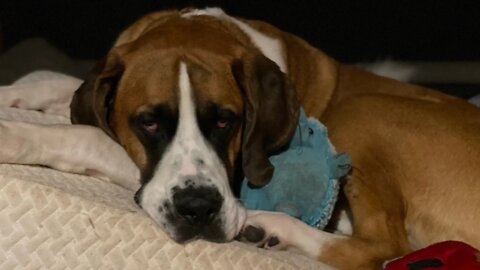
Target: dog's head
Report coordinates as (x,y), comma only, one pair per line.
(187,99)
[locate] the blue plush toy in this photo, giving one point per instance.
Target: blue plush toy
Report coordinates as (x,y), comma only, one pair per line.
(305,182)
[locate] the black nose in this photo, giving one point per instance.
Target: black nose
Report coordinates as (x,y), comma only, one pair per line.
(197,205)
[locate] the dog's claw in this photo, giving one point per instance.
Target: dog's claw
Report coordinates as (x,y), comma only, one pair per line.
(273,241)
(251,234)
(254,234)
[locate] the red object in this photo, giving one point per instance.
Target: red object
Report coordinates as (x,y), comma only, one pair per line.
(449,255)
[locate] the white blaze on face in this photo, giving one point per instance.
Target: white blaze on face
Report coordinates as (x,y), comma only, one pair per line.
(189,156)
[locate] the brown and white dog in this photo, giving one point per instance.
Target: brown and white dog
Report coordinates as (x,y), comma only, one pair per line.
(198,98)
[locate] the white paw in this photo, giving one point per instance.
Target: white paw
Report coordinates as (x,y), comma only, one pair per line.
(269,230)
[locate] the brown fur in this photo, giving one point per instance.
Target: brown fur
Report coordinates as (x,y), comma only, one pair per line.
(415,151)
(415,156)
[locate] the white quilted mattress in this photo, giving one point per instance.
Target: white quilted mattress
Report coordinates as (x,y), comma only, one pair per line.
(55,220)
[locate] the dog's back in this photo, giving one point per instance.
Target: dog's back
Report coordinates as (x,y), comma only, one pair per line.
(418,155)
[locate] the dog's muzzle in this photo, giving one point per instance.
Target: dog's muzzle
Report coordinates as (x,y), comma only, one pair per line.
(196,214)
(195,207)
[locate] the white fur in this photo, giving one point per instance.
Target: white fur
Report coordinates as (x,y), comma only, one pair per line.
(292,233)
(178,164)
(270,47)
(344,224)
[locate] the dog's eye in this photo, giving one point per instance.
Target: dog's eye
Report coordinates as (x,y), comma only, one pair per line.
(222,123)
(224,118)
(151,127)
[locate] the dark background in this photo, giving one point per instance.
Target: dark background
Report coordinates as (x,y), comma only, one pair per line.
(349,30)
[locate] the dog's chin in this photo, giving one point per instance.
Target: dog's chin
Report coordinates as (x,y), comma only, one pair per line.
(187,238)
(223,229)
(185,232)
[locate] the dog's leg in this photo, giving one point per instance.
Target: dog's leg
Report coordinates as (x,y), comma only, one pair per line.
(278,231)
(378,234)
(71,148)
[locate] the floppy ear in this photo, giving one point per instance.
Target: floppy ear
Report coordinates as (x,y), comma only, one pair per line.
(93,101)
(271,111)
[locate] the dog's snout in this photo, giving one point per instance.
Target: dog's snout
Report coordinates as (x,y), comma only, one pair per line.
(197,205)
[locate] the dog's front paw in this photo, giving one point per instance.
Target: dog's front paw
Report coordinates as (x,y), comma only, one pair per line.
(258,236)
(269,230)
